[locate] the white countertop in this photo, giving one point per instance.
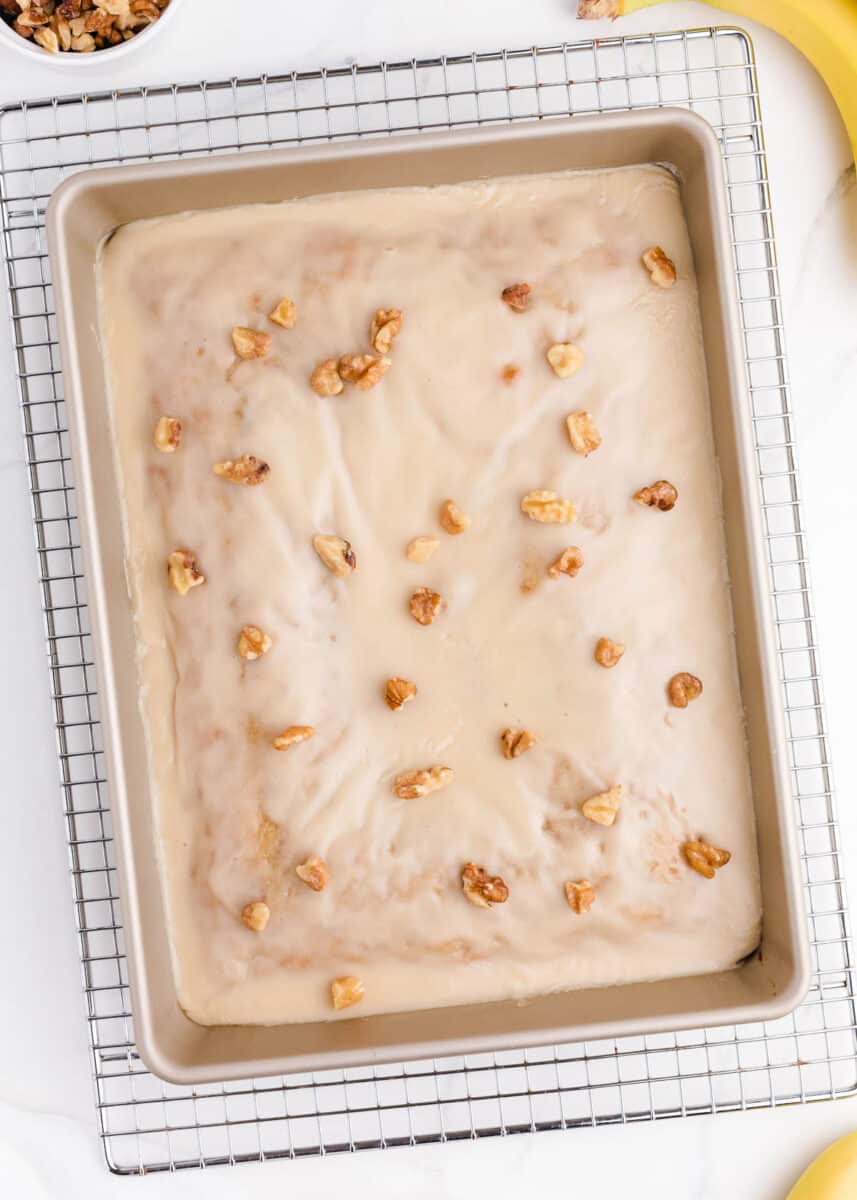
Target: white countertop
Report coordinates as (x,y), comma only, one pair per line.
(48,1143)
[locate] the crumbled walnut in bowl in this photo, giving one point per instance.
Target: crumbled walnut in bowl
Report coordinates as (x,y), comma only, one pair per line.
(568,563)
(250,343)
(580,896)
(413,785)
(386,326)
(704,858)
(683,688)
(248,470)
(183,571)
(425,605)
(608,652)
(565,359)
(397,692)
(517,296)
(256,915)
(325,379)
(548,508)
(603,807)
(661,495)
(253,643)
(80,25)
(336,553)
(315,873)
(516,742)
(284,314)
(420,549)
(452,519)
(363,370)
(582,432)
(661,269)
(168,434)
(346,990)
(482,889)
(293,736)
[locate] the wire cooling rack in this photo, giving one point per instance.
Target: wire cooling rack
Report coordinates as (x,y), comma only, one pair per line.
(148,1125)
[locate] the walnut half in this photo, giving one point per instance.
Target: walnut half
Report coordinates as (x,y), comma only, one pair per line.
(183,571)
(248,470)
(704,858)
(336,553)
(315,873)
(683,688)
(516,742)
(253,643)
(661,495)
(661,269)
(425,605)
(168,433)
(346,990)
(548,508)
(580,896)
(603,807)
(483,889)
(412,785)
(397,692)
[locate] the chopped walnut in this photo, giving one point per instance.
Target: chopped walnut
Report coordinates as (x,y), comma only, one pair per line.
(425,605)
(661,269)
(397,692)
(516,742)
(168,434)
(510,373)
(363,370)
(256,915)
(582,433)
(83,43)
(452,519)
(47,39)
(517,296)
(565,358)
(482,889)
(548,508)
(386,325)
(412,785)
(420,549)
(293,736)
(284,314)
(608,652)
(661,495)
(346,990)
(247,470)
(253,643)
(705,858)
(580,896)
(568,563)
(683,688)
(325,379)
(603,807)
(183,571)
(315,873)
(250,343)
(336,553)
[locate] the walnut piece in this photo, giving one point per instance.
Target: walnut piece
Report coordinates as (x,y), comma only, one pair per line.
(482,889)
(363,370)
(412,785)
(253,643)
(661,495)
(250,343)
(568,563)
(452,519)
(386,325)
(608,652)
(603,807)
(548,508)
(293,736)
(683,688)
(420,549)
(168,434)
(582,432)
(661,269)
(336,553)
(315,873)
(183,571)
(510,373)
(247,470)
(517,296)
(516,742)
(47,39)
(346,990)
(425,605)
(284,314)
(580,896)
(704,858)
(565,358)
(256,915)
(325,379)
(397,692)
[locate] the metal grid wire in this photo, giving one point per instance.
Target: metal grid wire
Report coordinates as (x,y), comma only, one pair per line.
(149,1125)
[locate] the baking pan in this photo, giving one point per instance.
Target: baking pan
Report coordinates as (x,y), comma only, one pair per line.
(81,214)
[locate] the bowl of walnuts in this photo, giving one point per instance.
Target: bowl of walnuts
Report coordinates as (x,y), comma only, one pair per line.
(69,31)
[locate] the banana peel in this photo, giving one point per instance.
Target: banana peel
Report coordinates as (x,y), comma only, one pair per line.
(832,1176)
(825,31)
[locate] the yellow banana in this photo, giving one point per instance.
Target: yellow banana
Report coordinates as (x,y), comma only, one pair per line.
(833,1175)
(824,30)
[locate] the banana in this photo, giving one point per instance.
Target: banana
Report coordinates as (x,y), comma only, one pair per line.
(824,30)
(833,1175)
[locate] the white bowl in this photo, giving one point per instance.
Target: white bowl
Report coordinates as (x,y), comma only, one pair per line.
(73,58)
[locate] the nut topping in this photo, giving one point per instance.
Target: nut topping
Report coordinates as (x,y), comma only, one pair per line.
(293,736)
(256,915)
(661,269)
(250,343)
(482,889)
(661,495)
(363,370)
(548,508)
(683,688)
(425,605)
(565,358)
(421,549)
(608,652)
(285,314)
(580,896)
(247,470)
(568,563)
(582,433)
(315,873)
(346,991)
(325,380)
(603,807)
(517,296)
(412,785)
(516,742)
(336,553)
(168,434)
(183,571)
(452,519)
(386,325)
(253,643)
(397,692)
(705,858)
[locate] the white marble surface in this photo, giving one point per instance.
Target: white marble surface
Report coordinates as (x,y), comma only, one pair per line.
(48,1145)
